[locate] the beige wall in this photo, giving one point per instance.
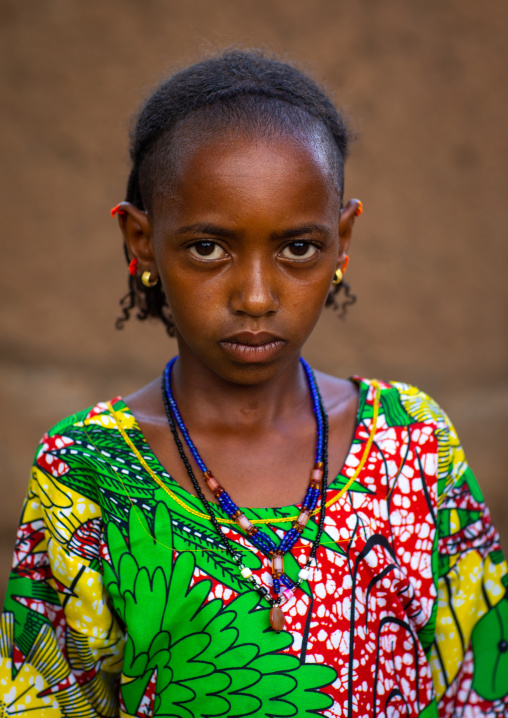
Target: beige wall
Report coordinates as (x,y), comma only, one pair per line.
(425,82)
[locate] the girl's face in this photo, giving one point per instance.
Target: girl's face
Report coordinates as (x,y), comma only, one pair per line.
(246,245)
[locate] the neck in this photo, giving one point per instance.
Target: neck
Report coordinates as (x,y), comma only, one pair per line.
(207,398)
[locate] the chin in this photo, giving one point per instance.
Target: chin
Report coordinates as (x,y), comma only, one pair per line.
(252,374)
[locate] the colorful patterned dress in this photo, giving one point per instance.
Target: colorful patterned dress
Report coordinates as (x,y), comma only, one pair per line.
(122,602)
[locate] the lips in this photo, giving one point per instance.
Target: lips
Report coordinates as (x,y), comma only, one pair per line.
(253,346)
(253,339)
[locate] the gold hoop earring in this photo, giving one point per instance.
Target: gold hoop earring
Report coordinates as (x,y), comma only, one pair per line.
(338,276)
(147,281)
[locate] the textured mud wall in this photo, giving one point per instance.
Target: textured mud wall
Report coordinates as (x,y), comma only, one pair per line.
(425,82)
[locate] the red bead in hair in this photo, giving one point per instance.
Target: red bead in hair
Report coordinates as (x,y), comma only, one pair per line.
(117,210)
(133,267)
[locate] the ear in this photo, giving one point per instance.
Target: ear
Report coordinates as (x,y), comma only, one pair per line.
(137,234)
(348,215)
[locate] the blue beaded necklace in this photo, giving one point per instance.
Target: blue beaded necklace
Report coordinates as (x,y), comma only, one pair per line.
(317,487)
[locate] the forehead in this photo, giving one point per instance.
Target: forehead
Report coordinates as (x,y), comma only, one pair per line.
(229,174)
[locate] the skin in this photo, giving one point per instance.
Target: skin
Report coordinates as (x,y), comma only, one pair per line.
(246,245)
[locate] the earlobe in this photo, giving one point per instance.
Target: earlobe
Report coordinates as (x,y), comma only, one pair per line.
(340,271)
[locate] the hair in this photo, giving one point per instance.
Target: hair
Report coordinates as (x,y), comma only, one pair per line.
(239,88)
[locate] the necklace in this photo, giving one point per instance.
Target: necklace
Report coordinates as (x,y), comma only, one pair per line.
(317,487)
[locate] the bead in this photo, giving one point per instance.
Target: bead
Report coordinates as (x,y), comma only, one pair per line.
(302,520)
(212,482)
(277,619)
(264,542)
(313,501)
(304,574)
(316,476)
(117,210)
(307,498)
(245,571)
(260,545)
(243,522)
(277,565)
(289,541)
(287,595)
(288,583)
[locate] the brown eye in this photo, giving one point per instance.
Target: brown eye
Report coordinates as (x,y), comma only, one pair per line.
(299,250)
(207,250)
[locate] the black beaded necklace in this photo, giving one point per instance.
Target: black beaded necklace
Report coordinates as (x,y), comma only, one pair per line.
(319,479)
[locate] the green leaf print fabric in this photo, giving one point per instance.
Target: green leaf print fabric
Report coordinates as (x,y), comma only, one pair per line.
(198,656)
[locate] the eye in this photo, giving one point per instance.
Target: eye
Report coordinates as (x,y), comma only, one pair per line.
(299,250)
(207,250)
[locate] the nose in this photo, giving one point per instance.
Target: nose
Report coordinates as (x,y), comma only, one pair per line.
(254,291)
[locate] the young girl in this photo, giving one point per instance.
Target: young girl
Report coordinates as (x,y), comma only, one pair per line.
(244,536)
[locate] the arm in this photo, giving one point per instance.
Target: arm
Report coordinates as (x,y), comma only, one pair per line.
(469,656)
(60,647)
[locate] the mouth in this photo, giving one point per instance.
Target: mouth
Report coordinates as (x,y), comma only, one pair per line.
(253,346)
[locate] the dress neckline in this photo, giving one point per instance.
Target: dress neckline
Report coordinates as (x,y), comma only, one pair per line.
(158,469)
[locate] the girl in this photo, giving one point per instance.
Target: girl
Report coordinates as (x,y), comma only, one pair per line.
(243,536)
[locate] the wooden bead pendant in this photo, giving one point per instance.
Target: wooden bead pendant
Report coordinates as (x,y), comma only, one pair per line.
(277,619)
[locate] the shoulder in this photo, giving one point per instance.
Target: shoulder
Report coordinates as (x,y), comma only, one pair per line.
(76,429)
(66,494)
(400,404)
(392,403)
(73,451)
(99,414)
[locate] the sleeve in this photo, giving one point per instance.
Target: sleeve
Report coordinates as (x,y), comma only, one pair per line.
(61,646)
(469,655)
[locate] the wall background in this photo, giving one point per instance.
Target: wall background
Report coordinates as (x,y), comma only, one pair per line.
(425,82)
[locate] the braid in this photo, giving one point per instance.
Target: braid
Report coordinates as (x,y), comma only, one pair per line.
(334,301)
(236,88)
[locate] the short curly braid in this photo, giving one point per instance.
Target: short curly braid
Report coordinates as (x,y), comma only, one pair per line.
(238,87)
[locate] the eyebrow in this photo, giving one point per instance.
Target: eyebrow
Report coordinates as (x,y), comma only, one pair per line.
(311,228)
(207,228)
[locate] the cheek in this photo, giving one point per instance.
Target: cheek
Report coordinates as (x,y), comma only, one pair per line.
(311,297)
(193,304)
(303,308)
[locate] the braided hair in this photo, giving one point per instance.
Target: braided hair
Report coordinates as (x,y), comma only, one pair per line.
(237,88)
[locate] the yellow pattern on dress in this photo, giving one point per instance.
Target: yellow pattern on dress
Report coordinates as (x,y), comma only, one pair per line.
(94,636)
